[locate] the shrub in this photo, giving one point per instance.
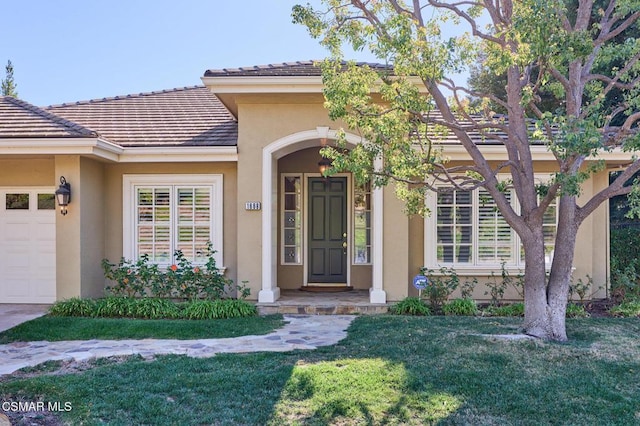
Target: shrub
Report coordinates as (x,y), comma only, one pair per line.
(576,311)
(497,289)
(155,308)
(512,310)
(74,307)
(410,306)
(628,308)
(460,307)
(518,284)
(115,307)
(580,288)
(466,289)
(625,263)
(440,286)
(133,278)
(182,280)
(218,309)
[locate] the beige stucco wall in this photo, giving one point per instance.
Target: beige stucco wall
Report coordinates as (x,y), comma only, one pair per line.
(265,119)
(396,245)
(262,121)
(68,239)
(114,204)
(27,171)
(92,230)
(590,256)
(80,234)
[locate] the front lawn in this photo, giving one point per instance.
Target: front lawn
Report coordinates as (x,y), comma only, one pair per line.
(80,328)
(389,370)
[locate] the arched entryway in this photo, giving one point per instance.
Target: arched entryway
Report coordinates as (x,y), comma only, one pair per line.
(278,149)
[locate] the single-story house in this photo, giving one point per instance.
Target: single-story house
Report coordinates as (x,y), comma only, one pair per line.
(234,162)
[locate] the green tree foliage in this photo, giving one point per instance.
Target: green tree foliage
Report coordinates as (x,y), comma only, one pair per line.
(8,85)
(483,80)
(571,78)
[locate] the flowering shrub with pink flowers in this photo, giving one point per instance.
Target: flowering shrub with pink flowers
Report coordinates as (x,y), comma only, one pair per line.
(181,280)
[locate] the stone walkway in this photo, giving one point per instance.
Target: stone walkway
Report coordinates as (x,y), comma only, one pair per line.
(300,332)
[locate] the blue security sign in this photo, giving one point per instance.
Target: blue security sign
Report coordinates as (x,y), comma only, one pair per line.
(420,282)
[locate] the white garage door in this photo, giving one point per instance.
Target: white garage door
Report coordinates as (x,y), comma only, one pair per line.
(27,245)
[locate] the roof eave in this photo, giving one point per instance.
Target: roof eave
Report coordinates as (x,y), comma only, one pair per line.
(60,146)
(186,154)
(275,84)
(105,150)
(264,84)
(457,152)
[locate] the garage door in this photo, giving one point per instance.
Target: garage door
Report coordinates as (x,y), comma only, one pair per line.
(27,245)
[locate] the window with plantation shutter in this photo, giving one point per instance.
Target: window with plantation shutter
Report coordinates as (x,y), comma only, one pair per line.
(466,230)
(495,236)
(172,212)
(454,227)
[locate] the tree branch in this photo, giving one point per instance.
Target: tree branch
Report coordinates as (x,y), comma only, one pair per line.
(615,188)
(462,14)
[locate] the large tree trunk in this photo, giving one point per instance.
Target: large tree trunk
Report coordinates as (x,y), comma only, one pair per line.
(546,302)
(536,312)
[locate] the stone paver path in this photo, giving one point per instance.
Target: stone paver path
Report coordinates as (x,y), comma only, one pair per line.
(300,332)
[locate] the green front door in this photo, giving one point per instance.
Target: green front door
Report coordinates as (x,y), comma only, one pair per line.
(327,230)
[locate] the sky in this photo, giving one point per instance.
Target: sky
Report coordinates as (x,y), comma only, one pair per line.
(73,50)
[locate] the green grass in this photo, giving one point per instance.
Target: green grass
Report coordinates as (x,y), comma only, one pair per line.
(389,370)
(81,328)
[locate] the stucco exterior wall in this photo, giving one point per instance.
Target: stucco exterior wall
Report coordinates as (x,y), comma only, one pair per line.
(21,171)
(396,245)
(68,231)
(263,120)
(114,204)
(91,198)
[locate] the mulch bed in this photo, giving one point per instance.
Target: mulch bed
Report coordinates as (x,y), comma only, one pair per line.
(599,308)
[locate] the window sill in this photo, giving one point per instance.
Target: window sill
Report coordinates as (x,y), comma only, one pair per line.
(222,269)
(481,271)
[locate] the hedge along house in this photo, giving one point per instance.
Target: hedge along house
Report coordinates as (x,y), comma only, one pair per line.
(236,162)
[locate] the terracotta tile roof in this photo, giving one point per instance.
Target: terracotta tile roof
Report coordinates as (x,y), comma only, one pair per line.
(286,69)
(189,116)
(19,119)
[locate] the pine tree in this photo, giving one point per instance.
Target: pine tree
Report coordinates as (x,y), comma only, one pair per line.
(8,84)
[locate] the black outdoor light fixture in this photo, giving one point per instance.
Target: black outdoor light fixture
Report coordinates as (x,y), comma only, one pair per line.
(63,195)
(324,165)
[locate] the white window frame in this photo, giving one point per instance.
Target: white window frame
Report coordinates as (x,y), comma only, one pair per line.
(474,267)
(301,226)
(130,182)
(304,219)
(369,193)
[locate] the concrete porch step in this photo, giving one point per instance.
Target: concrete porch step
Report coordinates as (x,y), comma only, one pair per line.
(322,303)
(274,308)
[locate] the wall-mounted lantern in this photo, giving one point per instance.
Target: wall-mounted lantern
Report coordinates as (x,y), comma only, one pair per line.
(63,195)
(324,165)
